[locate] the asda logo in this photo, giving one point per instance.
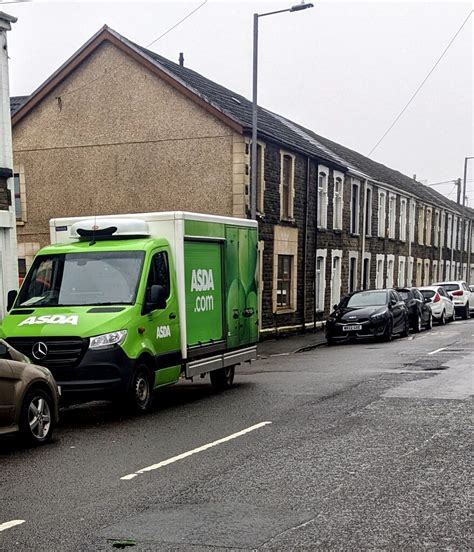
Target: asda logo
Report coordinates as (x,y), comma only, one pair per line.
(203,280)
(51,319)
(163,331)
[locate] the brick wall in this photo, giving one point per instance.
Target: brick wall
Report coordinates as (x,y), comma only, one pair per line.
(329,239)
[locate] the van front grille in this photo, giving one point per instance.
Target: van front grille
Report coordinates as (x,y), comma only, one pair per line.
(62,352)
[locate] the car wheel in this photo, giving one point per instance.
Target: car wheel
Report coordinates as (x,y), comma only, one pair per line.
(453,318)
(330,341)
(466,312)
(417,326)
(442,320)
(37,417)
(429,324)
(140,394)
(387,334)
(406,330)
(223,378)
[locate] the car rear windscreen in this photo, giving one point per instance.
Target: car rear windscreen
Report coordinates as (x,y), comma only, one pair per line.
(451,287)
(427,293)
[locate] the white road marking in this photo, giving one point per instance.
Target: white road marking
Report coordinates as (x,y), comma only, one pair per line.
(194,451)
(437,351)
(10,524)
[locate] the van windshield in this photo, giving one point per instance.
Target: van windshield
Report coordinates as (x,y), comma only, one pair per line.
(82,279)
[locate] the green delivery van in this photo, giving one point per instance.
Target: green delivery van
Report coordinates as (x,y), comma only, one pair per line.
(120,305)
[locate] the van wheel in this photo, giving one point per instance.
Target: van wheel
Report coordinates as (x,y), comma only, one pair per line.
(36,417)
(223,378)
(140,394)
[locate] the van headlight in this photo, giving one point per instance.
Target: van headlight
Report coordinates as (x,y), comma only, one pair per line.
(107,340)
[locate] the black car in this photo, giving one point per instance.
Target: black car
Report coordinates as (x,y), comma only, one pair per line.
(419,312)
(375,313)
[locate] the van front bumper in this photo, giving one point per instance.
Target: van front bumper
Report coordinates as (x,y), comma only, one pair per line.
(99,374)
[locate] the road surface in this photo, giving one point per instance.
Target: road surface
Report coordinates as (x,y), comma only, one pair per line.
(357,446)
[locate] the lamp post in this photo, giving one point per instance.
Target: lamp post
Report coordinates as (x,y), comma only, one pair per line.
(253,183)
(463,225)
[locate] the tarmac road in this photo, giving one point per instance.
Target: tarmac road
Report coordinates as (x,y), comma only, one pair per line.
(356,446)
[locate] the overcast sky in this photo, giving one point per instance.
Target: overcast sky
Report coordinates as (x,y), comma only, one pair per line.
(342,69)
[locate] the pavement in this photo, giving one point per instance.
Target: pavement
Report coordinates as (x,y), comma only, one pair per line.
(289,344)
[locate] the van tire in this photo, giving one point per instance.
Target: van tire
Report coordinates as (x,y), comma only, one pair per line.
(140,393)
(223,378)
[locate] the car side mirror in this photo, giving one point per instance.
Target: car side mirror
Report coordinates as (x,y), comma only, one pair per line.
(427,300)
(157,297)
(393,302)
(11,298)
(4,353)
(335,307)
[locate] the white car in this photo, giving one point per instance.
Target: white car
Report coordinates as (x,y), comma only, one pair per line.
(441,305)
(461,295)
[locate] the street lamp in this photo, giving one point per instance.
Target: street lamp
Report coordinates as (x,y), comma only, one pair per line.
(253,183)
(463,225)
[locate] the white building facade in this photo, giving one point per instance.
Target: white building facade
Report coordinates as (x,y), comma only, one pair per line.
(8,244)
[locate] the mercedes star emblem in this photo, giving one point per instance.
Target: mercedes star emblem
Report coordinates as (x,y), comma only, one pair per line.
(39,350)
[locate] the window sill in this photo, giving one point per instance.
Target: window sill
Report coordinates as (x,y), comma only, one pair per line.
(288,221)
(322,229)
(20,222)
(337,231)
(354,235)
(285,311)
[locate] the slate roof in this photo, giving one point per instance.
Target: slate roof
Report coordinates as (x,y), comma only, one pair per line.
(16,102)
(274,127)
(239,108)
(282,130)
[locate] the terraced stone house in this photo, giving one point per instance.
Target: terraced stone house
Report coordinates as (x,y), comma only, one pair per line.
(119,128)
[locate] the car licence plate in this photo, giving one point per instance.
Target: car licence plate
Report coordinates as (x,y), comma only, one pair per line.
(352,328)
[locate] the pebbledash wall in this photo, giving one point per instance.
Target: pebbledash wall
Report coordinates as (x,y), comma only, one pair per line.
(131,142)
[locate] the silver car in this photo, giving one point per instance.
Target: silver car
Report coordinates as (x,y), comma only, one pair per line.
(29,397)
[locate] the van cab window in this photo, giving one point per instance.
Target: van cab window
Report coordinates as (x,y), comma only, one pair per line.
(82,279)
(159,273)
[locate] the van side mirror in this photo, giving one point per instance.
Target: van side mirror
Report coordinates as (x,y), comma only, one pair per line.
(157,297)
(11,298)
(4,353)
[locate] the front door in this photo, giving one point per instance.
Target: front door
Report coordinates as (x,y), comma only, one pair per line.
(163,324)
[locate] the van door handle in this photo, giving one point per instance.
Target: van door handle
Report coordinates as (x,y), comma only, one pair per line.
(172,315)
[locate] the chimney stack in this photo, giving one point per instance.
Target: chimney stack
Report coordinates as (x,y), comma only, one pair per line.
(181,59)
